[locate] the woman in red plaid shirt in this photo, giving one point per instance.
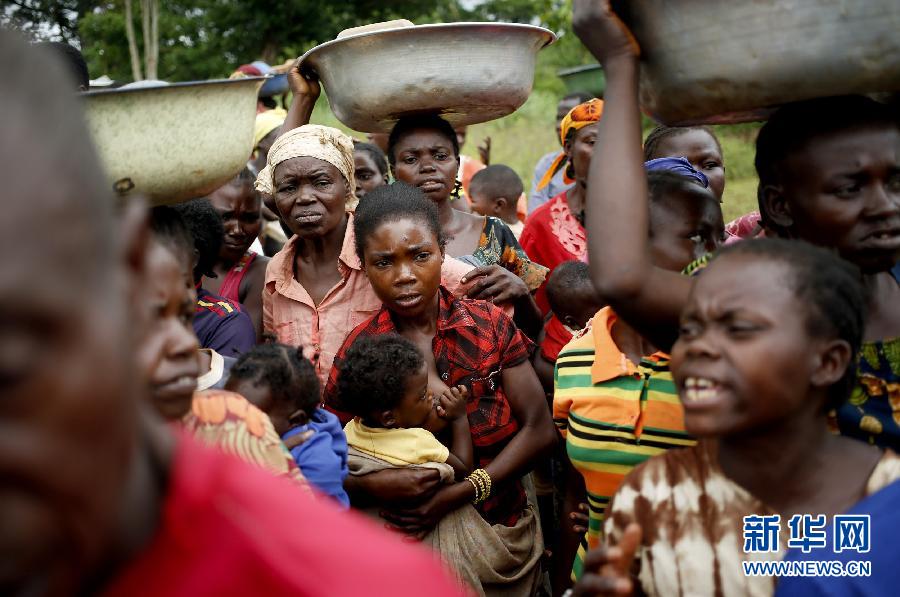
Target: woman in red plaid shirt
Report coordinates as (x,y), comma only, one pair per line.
(466,342)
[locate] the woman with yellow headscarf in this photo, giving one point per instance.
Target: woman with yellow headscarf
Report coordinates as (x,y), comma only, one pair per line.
(554,232)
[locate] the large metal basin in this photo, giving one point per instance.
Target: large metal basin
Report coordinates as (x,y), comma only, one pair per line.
(467,72)
(712,61)
(175,142)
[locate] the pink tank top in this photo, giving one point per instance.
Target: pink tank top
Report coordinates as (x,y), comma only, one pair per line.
(231,285)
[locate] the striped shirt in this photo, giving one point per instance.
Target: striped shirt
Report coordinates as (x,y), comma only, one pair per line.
(613,415)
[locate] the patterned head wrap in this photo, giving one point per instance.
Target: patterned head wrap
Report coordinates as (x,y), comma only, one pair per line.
(315,141)
(679,165)
(578,117)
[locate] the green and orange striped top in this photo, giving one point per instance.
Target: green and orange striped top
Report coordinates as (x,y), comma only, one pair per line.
(613,415)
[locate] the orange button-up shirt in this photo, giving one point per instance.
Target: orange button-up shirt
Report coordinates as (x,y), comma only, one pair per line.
(290,313)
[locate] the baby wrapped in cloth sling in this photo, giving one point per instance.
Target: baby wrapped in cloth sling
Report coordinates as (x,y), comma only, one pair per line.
(491,559)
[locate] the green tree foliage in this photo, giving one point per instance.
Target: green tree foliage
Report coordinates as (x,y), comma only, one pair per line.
(201,39)
(204,39)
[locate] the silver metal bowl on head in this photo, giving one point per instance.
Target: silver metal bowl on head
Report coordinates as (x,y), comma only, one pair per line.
(466,72)
(706,61)
(174,142)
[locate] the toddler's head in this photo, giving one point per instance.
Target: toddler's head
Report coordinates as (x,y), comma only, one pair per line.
(494,191)
(278,380)
(384,382)
(571,294)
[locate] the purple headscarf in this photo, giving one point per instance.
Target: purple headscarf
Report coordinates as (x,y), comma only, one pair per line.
(679,165)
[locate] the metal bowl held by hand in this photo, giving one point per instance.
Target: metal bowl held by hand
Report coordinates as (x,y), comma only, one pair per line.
(466,72)
(712,61)
(174,142)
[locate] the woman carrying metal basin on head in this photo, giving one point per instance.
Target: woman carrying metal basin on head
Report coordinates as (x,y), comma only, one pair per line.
(423,152)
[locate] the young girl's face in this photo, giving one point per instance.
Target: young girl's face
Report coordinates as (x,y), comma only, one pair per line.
(744,360)
(843,191)
(366,173)
(702,151)
(241,212)
(402,260)
(684,227)
(168,352)
(424,158)
(417,405)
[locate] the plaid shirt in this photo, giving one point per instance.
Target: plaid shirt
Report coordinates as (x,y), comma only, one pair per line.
(474,342)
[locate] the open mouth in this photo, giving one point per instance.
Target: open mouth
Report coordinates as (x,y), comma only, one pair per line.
(888,238)
(700,391)
(408,300)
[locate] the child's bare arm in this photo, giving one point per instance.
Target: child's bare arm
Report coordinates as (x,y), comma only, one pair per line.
(452,405)
(649,298)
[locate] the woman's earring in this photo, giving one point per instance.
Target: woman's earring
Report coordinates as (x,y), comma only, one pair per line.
(457,189)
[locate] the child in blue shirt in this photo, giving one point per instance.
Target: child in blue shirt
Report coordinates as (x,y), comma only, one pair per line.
(279,381)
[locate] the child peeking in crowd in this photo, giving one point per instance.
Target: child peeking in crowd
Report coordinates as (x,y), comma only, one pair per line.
(573,303)
(220,324)
(495,191)
(279,381)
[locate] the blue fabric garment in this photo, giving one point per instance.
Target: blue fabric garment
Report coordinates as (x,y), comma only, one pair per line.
(885,579)
(557,185)
(323,457)
(223,325)
(679,165)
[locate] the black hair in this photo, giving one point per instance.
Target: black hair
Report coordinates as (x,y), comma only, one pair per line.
(170,229)
(793,126)
(390,203)
(408,124)
(831,286)
(566,283)
(375,153)
(579,96)
(207,229)
(73,60)
(289,375)
(374,373)
(662,132)
(268,102)
(497,180)
(246,177)
(671,192)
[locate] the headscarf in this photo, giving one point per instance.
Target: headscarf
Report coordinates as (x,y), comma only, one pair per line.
(578,117)
(314,141)
(679,165)
(266,122)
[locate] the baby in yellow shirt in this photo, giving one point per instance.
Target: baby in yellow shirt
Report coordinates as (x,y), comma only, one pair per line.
(384,384)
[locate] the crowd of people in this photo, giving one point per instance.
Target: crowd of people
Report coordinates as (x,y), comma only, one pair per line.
(382,367)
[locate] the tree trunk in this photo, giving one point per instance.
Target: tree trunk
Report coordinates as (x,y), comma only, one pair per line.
(132,44)
(148,40)
(153,56)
